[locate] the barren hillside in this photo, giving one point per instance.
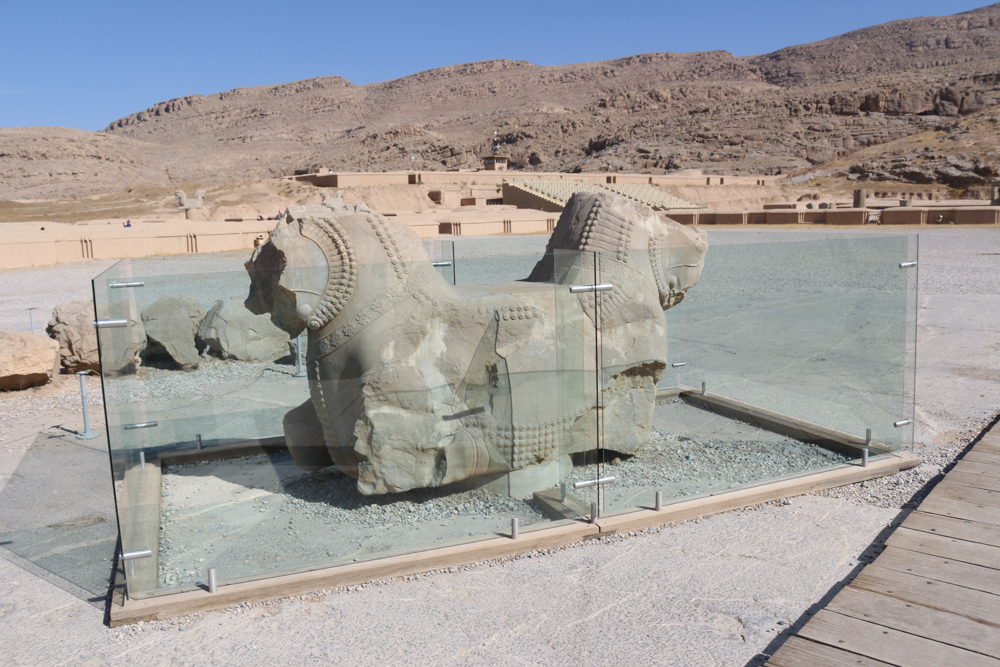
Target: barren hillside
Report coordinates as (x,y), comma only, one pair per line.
(790,111)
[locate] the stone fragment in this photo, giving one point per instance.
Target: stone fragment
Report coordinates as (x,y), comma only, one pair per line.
(26,360)
(171,324)
(72,326)
(233,332)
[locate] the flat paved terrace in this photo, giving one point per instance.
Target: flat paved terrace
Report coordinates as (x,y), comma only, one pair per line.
(933,596)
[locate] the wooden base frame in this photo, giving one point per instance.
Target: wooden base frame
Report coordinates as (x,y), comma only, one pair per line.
(126,611)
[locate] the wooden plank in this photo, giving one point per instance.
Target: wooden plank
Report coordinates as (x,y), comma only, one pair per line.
(973,480)
(973,531)
(972,467)
(966,494)
(230,450)
(977,605)
(941,568)
(886,644)
(982,457)
(355,573)
(703,506)
(139,517)
(946,547)
(782,424)
(799,652)
(990,444)
(348,575)
(918,620)
(959,510)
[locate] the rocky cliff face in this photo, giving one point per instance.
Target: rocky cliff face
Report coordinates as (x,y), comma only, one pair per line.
(792,110)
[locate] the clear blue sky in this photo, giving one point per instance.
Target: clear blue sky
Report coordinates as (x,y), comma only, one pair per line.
(86,63)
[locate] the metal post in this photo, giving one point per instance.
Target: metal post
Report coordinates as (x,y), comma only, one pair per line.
(31,318)
(211,580)
(142,459)
(562,492)
(659,501)
(593,512)
(515,529)
(197,437)
(864,457)
(298,354)
(703,389)
(86,434)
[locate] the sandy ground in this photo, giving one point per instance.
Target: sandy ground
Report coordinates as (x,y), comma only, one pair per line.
(717,591)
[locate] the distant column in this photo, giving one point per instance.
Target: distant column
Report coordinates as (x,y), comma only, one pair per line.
(860,198)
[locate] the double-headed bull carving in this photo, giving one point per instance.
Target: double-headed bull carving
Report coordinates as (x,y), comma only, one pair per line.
(417,383)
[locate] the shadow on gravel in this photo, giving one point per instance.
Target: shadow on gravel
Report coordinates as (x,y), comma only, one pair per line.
(57,516)
(868,555)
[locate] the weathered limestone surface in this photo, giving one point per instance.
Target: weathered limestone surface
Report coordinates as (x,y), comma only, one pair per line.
(233,332)
(72,326)
(26,360)
(417,383)
(171,324)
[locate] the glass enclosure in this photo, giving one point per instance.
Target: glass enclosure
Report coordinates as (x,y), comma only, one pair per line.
(258,426)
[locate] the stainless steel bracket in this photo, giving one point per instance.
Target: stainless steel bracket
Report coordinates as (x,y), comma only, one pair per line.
(110,324)
(602,287)
(593,482)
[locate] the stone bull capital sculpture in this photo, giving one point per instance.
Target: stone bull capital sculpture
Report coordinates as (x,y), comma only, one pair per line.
(417,383)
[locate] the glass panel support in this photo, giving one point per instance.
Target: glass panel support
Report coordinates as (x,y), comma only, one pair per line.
(131,284)
(299,371)
(86,434)
(593,482)
(111,324)
(211,580)
(130,556)
(902,422)
(130,427)
(515,528)
(602,287)
(907,265)
(677,364)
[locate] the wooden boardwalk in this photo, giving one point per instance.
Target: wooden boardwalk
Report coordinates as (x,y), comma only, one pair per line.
(932,598)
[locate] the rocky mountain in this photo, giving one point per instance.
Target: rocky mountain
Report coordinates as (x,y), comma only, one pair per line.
(790,111)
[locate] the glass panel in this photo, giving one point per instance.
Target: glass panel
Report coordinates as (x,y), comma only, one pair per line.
(817,330)
(442,256)
(792,340)
(576,340)
(435,413)
(432,415)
